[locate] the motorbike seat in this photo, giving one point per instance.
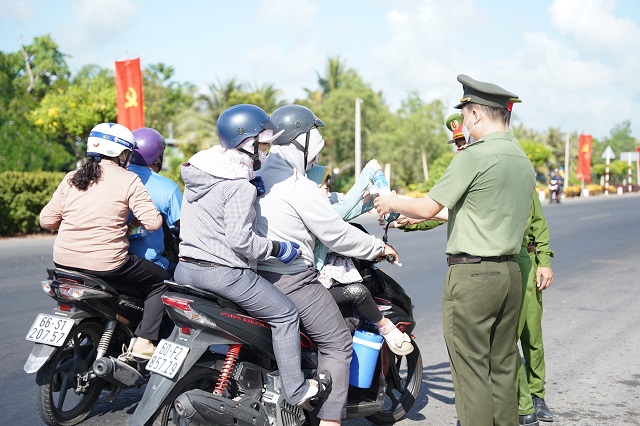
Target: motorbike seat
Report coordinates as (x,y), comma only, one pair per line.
(86,279)
(189,289)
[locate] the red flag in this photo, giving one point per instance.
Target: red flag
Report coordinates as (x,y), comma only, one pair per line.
(584,158)
(129,93)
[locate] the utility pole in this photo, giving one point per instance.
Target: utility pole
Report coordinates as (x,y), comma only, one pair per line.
(566,159)
(358,159)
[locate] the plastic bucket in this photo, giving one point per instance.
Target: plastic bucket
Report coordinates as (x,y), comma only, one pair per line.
(366,347)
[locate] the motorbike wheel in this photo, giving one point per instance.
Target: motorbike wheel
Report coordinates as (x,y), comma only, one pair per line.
(57,400)
(197,378)
(404,379)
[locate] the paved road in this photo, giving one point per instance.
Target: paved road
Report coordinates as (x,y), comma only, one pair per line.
(591,318)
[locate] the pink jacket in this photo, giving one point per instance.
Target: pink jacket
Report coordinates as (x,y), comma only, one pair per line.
(92,224)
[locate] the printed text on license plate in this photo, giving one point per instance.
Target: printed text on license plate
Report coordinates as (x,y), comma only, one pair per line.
(167,358)
(49,329)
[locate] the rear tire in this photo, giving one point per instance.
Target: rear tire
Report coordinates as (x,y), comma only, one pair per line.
(404,380)
(57,402)
(197,378)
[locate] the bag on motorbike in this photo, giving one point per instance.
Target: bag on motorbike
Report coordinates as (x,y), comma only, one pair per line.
(171,243)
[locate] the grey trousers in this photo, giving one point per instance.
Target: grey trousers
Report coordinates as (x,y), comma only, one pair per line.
(262,300)
(324,324)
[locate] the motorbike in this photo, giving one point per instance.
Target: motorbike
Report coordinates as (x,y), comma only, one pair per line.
(77,347)
(554,191)
(218,366)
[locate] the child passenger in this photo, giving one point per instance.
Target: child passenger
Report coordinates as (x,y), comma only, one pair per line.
(338,273)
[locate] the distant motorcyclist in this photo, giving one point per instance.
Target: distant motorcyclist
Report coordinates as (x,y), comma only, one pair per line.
(146,162)
(90,209)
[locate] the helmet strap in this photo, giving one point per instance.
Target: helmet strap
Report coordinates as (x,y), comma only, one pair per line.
(255,156)
(124,163)
(304,149)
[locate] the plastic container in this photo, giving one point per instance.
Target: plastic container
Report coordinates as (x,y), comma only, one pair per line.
(366,348)
(380,180)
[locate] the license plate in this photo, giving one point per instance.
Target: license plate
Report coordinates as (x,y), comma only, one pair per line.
(49,330)
(167,358)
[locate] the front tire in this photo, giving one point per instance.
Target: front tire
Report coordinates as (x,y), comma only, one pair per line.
(57,400)
(404,379)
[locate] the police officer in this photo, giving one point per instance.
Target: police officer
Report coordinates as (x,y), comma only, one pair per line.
(535,263)
(487,188)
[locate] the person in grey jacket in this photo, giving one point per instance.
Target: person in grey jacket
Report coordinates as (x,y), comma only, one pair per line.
(219,248)
(293,208)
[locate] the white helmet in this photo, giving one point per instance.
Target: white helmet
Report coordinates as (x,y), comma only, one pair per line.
(110,139)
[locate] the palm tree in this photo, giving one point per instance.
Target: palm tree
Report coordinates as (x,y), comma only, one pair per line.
(220,97)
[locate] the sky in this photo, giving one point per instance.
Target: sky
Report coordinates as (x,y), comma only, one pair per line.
(574,63)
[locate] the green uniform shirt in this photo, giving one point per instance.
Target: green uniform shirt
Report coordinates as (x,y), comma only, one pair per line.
(487,188)
(538,233)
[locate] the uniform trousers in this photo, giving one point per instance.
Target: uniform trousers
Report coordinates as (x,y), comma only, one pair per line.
(480,308)
(141,278)
(326,327)
(262,300)
(528,273)
(531,339)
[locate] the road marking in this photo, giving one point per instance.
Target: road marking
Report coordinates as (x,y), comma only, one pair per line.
(597,216)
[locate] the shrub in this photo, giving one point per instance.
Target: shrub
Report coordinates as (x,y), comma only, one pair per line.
(22,197)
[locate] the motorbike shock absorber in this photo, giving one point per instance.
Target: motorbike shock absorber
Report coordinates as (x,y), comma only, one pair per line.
(227,368)
(105,339)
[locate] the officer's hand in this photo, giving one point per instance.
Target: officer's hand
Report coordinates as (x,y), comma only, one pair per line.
(544,277)
(383,203)
(403,220)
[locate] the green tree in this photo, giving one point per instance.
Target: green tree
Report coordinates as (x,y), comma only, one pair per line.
(537,152)
(164,99)
(619,139)
(68,114)
(44,64)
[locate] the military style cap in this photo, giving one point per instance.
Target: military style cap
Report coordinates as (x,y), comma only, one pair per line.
(488,94)
(454,123)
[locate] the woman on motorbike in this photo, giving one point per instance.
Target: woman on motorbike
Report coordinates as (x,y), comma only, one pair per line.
(219,248)
(91,208)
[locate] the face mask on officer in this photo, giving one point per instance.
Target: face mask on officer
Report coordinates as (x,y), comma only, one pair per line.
(467,132)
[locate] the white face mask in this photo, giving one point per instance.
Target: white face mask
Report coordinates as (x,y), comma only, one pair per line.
(467,132)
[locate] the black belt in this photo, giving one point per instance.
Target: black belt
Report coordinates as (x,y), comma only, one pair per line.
(459,259)
(199,262)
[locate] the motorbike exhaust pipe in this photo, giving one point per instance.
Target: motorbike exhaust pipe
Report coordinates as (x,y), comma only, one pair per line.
(117,372)
(204,407)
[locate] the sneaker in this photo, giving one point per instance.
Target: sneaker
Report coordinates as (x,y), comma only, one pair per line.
(399,343)
(143,349)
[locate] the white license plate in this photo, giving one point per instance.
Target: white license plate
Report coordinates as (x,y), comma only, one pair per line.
(167,358)
(49,330)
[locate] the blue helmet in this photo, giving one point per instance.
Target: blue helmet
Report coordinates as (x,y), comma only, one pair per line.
(240,122)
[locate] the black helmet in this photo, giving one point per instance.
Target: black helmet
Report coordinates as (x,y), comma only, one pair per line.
(240,122)
(294,120)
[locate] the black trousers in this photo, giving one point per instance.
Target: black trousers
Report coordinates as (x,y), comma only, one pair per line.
(359,295)
(141,278)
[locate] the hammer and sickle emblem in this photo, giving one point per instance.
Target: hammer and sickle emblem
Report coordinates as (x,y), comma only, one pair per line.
(131,98)
(585,148)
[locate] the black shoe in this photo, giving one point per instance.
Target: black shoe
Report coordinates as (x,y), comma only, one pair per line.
(542,410)
(528,420)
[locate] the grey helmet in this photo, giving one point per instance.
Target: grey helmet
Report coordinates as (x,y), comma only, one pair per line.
(295,120)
